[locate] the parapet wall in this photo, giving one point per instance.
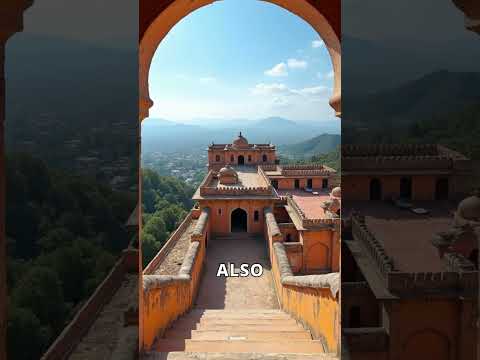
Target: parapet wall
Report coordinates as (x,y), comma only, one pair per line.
(86,316)
(174,237)
(311,299)
(166,297)
(411,284)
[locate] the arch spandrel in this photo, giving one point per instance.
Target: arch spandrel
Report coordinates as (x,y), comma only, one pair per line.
(157,18)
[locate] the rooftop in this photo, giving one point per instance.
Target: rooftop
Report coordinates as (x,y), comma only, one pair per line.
(308,203)
(251,182)
(405,235)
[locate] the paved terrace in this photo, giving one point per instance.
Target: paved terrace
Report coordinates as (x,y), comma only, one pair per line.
(309,203)
(236,292)
(405,235)
(248,177)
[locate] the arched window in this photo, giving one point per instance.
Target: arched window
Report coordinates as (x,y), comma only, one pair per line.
(289,237)
(264,158)
(232,159)
(249,158)
(217,158)
(256,216)
(219,211)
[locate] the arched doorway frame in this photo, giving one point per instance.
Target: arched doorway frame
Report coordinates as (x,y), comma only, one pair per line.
(230,217)
(178,9)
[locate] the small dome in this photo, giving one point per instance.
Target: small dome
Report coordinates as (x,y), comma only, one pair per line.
(336,192)
(469,208)
(227,170)
(240,141)
(228,175)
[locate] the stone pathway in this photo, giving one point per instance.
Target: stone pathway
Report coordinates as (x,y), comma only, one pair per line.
(108,338)
(237,292)
(173,261)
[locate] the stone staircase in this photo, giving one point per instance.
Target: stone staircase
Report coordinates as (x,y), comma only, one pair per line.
(238,334)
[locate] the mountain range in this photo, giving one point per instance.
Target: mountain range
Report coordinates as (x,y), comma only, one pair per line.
(159,135)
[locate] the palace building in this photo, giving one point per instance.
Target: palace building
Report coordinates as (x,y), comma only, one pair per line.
(250,209)
(409,253)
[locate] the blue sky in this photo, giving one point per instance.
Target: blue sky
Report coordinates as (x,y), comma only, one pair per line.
(241,59)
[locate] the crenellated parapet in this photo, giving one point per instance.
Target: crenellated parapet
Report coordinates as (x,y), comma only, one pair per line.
(375,249)
(433,283)
(387,157)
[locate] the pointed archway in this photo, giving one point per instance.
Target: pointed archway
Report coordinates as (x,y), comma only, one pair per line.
(238,220)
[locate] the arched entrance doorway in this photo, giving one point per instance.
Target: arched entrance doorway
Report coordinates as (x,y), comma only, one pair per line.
(238,220)
(375,189)
(406,188)
(241,160)
(441,189)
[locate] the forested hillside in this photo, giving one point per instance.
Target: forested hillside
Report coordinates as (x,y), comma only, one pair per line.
(64,234)
(165,201)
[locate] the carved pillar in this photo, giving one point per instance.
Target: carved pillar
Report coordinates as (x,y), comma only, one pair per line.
(11,16)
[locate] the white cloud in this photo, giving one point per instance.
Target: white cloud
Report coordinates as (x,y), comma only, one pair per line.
(317,44)
(277,70)
(269,89)
(297,64)
(312,91)
(207,79)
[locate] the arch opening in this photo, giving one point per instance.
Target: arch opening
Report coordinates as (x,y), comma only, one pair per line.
(238,220)
(375,189)
(157,29)
(441,189)
(406,188)
(241,160)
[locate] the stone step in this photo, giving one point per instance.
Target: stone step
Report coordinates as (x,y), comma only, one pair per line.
(237,315)
(229,327)
(235,334)
(174,355)
(235,322)
(239,346)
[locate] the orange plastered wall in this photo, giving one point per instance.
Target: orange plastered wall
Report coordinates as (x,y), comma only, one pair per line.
(316,308)
(163,305)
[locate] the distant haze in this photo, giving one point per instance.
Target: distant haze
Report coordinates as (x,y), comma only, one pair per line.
(168,136)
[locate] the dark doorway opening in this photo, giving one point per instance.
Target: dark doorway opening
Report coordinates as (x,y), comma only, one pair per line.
(354,317)
(239,220)
(406,188)
(375,189)
(309,183)
(473,257)
(241,160)
(297,184)
(324,183)
(289,238)
(441,189)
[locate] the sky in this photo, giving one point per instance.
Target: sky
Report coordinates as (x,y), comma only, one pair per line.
(241,59)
